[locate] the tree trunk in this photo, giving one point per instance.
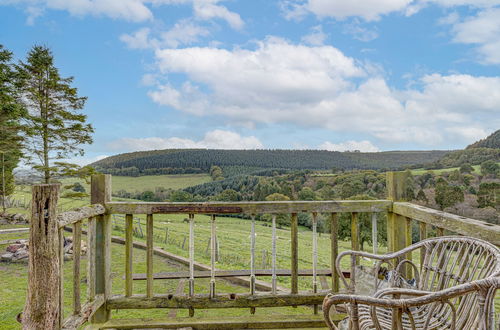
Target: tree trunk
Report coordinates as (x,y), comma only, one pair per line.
(42,301)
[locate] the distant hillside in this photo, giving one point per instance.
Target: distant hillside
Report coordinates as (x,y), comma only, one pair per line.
(173,161)
(474,154)
(492,141)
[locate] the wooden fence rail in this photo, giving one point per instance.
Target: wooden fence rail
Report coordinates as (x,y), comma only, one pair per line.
(47,245)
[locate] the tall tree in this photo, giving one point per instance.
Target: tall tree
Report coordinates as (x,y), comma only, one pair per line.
(10,128)
(55,124)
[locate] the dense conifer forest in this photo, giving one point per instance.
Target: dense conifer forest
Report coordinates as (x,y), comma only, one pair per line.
(249,161)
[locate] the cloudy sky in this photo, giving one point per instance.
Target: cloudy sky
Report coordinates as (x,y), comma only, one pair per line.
(329,74)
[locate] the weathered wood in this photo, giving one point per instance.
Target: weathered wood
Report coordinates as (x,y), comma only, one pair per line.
(334,234)
(101,194)
(14,231)
(70,217)
(454,223)
(240,322)
(42,310)
(422,226)
(409,255)
(354,232)
(77,248)
(88,309)
(324,283)
(259,285)
(276,207)
(178,292)
(149,255)
(396,224)
(374,233)
(91,258)
(294,257)
(439,231)
(231,273)
(213,248)
(129,238)
(61,276)
(202,301)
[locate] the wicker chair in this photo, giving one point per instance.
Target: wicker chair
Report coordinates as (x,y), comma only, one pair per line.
(455,288)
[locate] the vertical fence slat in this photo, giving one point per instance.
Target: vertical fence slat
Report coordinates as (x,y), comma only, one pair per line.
(334,231)
(354,231)
(252,256)
(149,255)
(423,235)
(315,256)
(273,281)
(61,276)
(77,247)
(252,260)
(91,258)
(439,231)
(213,247)
(129,248)
(374,233)
(408,234)
(191,255)
(295,253)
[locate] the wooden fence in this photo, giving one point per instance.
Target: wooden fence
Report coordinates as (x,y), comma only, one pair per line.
(44,302)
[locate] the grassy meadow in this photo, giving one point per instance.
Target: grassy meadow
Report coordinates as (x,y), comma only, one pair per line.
(150,182)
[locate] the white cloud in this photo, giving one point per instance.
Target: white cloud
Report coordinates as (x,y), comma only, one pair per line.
(363,146)
(139,39)
(279,82)
(184,32)
(369,10)
(316,37)
(208,9)
(129,10)
(360,33)
(482,30)
(85,160)
(216,139)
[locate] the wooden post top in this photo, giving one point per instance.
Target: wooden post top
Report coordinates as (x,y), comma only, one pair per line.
(100,189)
(396,185)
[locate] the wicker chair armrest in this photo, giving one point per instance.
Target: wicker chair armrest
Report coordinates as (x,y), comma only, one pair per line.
(353,254)
(422,297)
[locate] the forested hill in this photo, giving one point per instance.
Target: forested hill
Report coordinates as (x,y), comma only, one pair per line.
(173,161)
(492,141)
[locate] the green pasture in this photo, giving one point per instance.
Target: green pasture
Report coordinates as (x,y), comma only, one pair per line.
(150,182)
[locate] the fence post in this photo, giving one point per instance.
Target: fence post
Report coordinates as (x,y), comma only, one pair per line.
(396,224)
(42,310)
(101,194)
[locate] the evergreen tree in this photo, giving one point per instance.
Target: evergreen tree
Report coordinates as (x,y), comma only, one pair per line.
(490,167)
(10,127)
(466,168)
(56,127)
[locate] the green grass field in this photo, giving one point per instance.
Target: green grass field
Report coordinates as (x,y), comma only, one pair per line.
(150,182)
(420,171)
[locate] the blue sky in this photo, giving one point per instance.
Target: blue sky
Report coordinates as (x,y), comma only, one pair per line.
(328,74)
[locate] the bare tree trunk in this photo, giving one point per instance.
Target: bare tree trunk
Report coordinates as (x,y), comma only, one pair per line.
(42,301)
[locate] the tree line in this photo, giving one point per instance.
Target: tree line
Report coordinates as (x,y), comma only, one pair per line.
(41,120)
(244,161)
